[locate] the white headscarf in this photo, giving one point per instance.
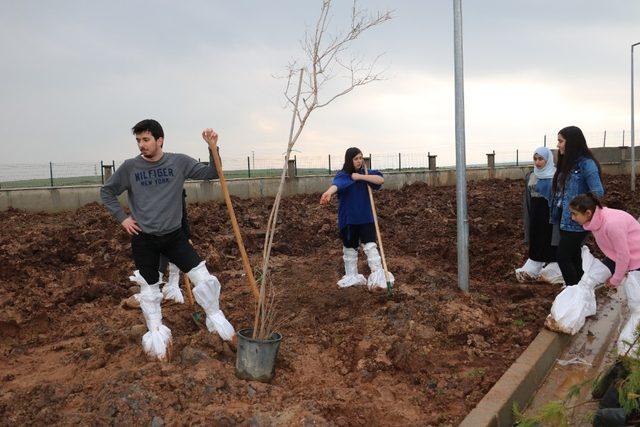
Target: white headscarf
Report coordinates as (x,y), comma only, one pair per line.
(549,168)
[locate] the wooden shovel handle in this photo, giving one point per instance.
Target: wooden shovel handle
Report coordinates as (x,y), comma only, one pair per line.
(375,222)
(187,288)
(187,285)
(234,222)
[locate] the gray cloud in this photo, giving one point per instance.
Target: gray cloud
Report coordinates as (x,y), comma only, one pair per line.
(75,76)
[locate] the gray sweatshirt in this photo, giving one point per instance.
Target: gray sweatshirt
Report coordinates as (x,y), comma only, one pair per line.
(154,190)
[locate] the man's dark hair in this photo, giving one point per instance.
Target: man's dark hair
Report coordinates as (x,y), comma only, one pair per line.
(149,125)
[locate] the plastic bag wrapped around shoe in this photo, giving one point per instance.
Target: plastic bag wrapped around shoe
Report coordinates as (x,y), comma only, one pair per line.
(157,340)
(529,271)
(348,281)
(207,294)
(629,332)
(171,291)
(219,323)
(575,303)
(351,276)
(551,274)
(377,278)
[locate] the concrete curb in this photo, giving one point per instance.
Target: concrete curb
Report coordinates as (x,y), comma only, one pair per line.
(595,345)
(518,383)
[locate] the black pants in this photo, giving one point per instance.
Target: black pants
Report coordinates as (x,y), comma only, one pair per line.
(147,249)
(164,262)
(354,234)
(570,256)
(540,232)
(611,265)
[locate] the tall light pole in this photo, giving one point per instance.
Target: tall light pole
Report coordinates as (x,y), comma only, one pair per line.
(461,161)
(633,139)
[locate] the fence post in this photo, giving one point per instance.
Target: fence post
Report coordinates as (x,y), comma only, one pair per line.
(248,167)
(517,163)
(51,173)
(399,162)
(113,165)
(370,161)
(491,164)
(545,140)
(291,169)
(102,171)
(491,160)
(108,171)
(367,161)
(432,161)
(295,164)
(604,139)
(329,164)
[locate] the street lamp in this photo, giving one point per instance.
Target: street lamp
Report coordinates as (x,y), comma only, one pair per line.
(633,145)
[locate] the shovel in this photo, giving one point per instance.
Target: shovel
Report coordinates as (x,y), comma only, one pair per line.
(234,223)
(375,222)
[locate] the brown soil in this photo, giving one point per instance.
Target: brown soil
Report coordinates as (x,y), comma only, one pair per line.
(71,355)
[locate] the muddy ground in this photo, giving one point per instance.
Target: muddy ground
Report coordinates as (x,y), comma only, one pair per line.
(70,354)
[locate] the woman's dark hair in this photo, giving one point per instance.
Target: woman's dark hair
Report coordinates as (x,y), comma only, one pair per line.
(585,202)
(574,148)
(348,160)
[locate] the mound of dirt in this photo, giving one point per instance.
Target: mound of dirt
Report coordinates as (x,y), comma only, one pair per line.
(71,354)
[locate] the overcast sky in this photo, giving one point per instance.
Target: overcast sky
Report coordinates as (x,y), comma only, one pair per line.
(76,75)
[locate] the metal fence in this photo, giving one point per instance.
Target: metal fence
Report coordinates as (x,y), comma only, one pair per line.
(54,174)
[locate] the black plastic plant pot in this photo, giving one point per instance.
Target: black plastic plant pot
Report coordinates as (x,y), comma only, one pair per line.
(256,359)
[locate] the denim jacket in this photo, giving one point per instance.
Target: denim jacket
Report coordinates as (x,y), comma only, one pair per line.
(584,177)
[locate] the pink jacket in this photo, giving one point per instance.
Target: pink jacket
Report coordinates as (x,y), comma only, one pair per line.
(618,236)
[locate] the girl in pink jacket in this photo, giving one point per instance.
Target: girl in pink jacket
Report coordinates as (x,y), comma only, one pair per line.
(617,234)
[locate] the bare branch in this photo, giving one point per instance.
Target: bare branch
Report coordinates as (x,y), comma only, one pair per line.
(322,53)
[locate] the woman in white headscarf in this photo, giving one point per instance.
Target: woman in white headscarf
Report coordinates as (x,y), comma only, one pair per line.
(538,232)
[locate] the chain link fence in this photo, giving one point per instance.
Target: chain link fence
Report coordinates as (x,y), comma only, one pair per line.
(55,174)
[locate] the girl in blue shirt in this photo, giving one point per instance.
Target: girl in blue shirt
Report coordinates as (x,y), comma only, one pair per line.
(355,220)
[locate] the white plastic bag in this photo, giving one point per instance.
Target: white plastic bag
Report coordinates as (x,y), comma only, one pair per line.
(171,290)
(575,303)
(157,341)
(351,276)
(551,274)
(377,279)
(629,332)
(207,294)
(529,271)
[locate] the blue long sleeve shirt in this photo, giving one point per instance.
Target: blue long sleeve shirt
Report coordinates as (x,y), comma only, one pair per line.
(354,206)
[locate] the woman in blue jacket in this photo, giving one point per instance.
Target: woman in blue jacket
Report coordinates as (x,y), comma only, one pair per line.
(577,172)
(355,219)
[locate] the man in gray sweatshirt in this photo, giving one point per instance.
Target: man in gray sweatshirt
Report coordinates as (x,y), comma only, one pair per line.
(154,182)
